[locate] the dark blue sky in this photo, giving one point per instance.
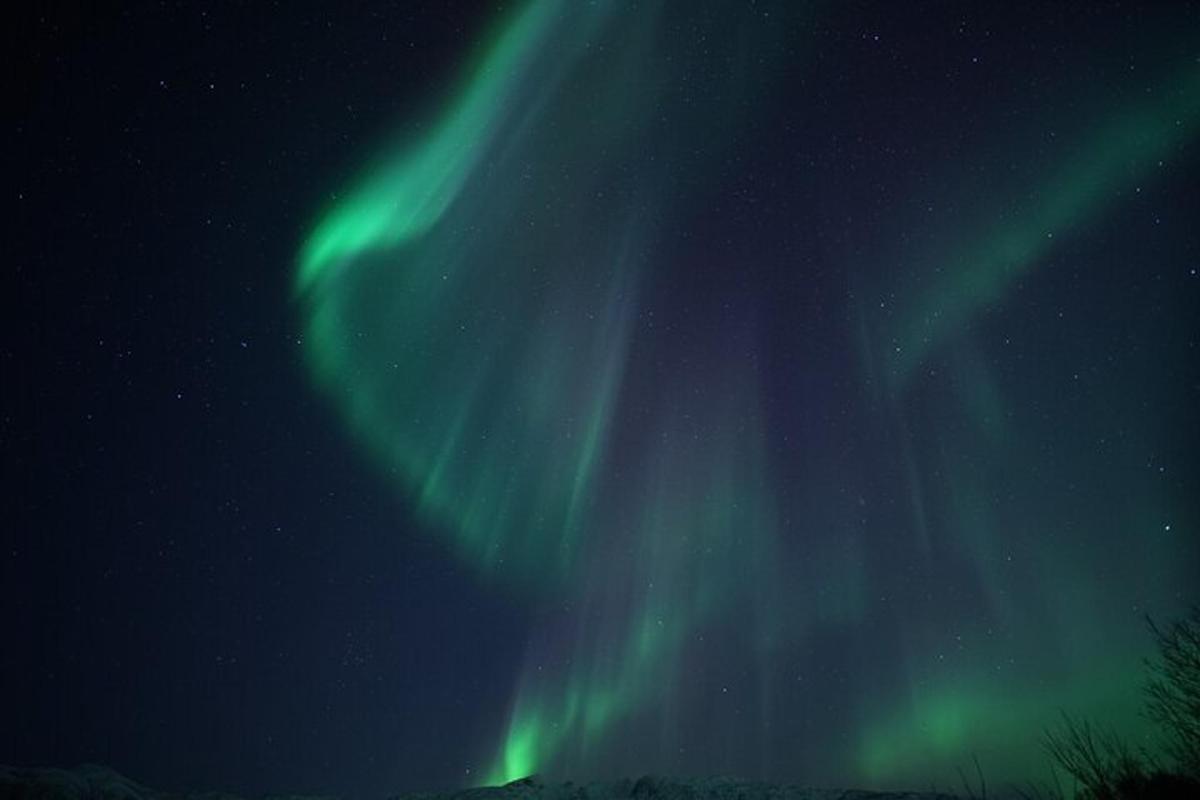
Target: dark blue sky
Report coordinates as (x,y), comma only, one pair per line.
(959,296)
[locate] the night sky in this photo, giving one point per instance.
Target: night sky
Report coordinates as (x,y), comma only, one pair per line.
(426,394)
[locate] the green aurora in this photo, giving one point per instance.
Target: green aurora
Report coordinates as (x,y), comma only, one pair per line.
(477,310)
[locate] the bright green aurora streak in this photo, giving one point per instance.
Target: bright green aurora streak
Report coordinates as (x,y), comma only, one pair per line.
(445,301)
(476,309)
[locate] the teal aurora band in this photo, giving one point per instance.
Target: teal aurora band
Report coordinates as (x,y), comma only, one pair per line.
(480,310)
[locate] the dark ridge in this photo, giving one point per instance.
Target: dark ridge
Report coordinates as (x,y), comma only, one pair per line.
(94,782)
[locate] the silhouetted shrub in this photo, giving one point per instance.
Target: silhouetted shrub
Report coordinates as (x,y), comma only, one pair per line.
(1101,763)
(1174,692)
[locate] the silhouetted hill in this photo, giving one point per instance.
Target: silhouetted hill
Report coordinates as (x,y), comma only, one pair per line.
(92,782)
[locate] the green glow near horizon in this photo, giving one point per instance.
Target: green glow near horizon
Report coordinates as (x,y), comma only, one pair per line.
(943,722)
(677,583)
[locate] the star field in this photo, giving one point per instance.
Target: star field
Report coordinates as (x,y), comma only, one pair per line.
(440,395)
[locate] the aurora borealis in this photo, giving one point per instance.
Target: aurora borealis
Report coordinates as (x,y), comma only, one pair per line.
(478,310)
(452,392)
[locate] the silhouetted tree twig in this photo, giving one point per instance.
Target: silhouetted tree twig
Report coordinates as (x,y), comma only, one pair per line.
(1173,693)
